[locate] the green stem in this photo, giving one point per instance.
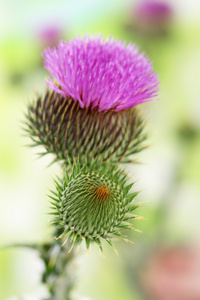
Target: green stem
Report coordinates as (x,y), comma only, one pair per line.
(59,269)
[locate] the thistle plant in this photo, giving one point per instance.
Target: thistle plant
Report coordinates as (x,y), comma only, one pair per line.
(89,119)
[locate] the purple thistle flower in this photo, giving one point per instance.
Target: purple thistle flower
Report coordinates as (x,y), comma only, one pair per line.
(154,11)
(152,17)
(103,74)
(50,36)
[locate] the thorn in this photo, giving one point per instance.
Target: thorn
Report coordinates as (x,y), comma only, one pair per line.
(101,253)
(70,248)
(115,251)
(137,230)
(65,241)
(78,248)
(140,218)
(128,241)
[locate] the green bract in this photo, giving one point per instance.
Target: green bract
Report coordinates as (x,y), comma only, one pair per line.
(93,203)
(69,131)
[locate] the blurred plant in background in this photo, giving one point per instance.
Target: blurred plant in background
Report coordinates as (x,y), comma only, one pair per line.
(50,36)
(152,18)
(152,24)
(171,273)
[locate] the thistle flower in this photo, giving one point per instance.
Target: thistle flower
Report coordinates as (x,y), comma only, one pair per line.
(91,110)
(93,203)
(102,74)
(50,35)
(68,131)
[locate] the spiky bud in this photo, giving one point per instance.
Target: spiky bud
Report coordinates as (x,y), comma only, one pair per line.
(69,131)
(93,203)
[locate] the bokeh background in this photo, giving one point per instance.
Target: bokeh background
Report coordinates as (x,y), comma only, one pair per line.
(165,257)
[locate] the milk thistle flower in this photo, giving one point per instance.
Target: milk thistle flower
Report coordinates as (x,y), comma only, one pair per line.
(91,110)
(93,203)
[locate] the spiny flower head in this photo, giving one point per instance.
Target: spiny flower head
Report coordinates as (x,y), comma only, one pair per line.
(93,203)
(69,131)
(103,74)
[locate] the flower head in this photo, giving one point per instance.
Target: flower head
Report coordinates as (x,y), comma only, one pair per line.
(69,131)
(102,74)
(93,203)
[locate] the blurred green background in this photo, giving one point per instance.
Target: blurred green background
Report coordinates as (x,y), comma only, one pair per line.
(169,178)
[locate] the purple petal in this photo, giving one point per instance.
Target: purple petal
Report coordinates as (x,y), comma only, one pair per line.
(106,74)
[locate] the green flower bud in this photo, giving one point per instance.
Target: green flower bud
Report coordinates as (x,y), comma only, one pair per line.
(93,203)
(69,131)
